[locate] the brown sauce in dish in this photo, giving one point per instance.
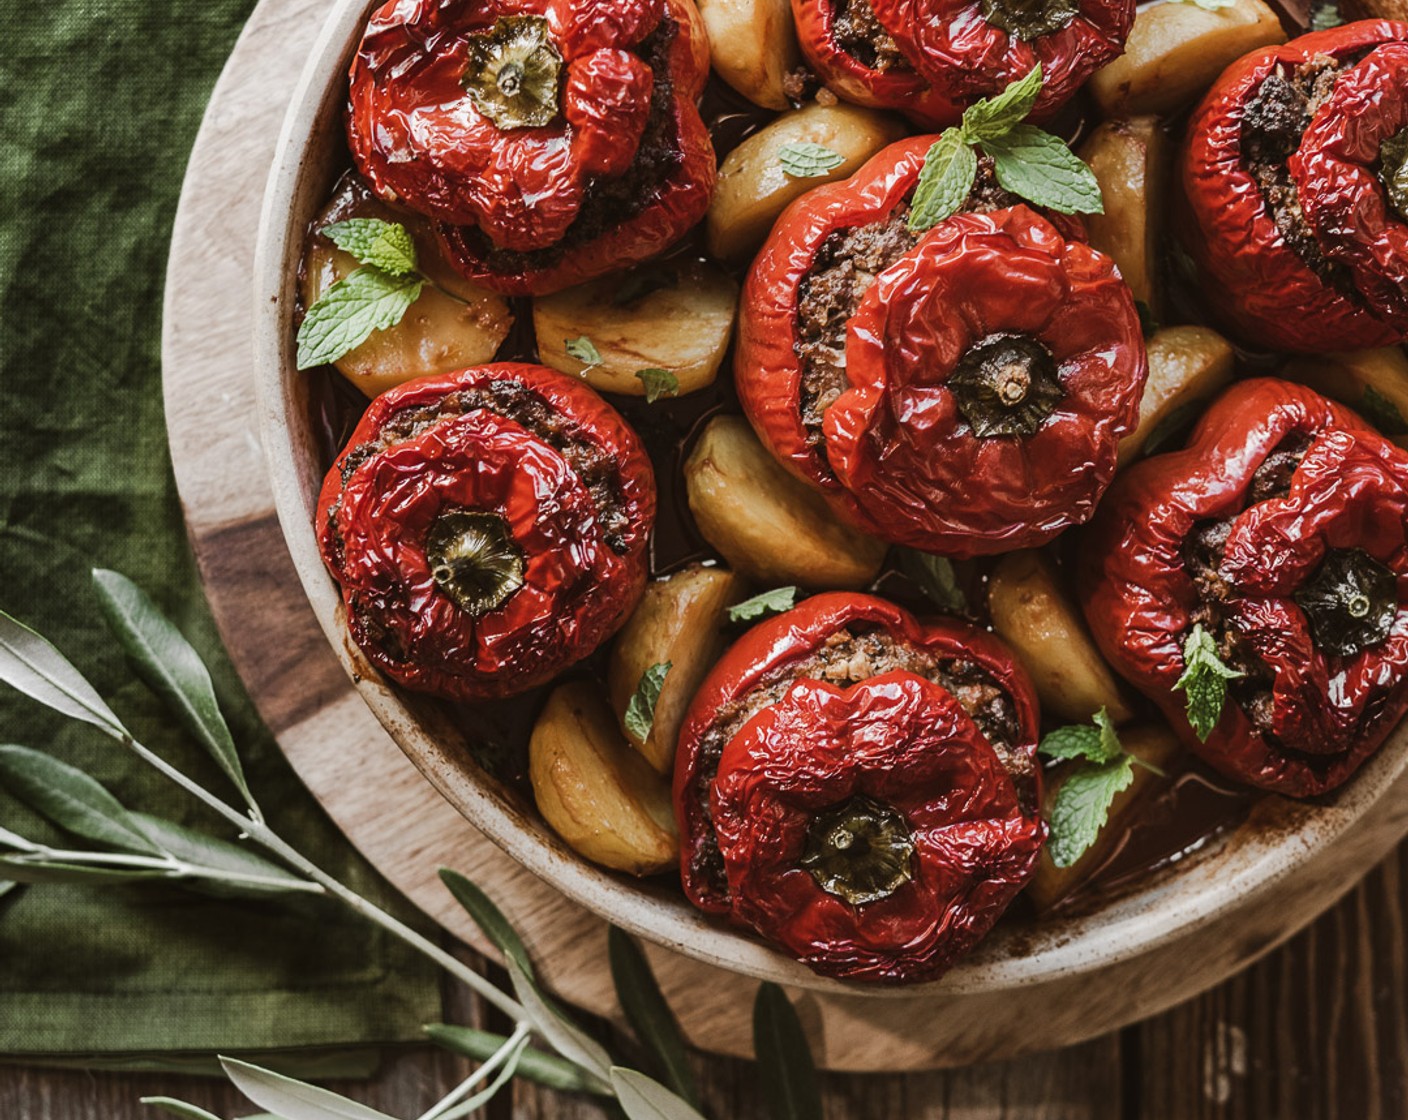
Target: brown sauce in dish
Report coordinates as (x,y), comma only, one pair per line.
(1189,814)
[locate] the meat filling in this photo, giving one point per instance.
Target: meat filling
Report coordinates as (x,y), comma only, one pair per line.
(846,658)
(865,39)
(609,202)
(1202,557)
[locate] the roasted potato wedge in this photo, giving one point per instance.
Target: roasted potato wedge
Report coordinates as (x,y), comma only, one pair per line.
(754,189)
(1130,159)
(1372,382)
(1156,745)
(438,333)
(768,525)
(1031,612)
(598,794)
(680,621)
(754,46)
(682,325)
(1187,365)
(1175,51)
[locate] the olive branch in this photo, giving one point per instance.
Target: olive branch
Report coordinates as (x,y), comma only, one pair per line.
(129,846)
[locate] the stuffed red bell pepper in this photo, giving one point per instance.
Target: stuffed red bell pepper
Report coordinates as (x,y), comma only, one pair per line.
(932,58)
(860,787)
(1282,533)
(553,140)
(1295,180)
(488,528)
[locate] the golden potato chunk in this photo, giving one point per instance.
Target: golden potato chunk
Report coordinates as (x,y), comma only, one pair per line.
(1187,366)
(598,794)
(1155,745)
(1175,51)
(438,333)
(754,187)
(765,523)
(1032,614)
(754,46)
(1372,382)
(1130,159)
(679,622)
(681,323)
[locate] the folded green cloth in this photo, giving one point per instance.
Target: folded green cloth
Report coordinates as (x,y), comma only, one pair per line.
(99,103)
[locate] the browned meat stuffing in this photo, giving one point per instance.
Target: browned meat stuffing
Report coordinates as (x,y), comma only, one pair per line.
(862,36)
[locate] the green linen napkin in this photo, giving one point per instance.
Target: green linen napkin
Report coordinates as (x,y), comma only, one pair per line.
(99,103)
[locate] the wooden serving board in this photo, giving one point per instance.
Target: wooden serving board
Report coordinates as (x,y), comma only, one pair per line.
(398,820)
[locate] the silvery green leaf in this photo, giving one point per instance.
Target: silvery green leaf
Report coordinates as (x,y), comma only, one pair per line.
(490,1091)
(293,1100)
(71,799)
(996,116)
(212,858)
(640,711)
(387,245)
(347,313)
(1040,168)
(654,1024)
(785,1064)
(18,842)
(643,1098)
(557,1030)
(170,666)
(944,181)
(534,1065)
(32,870)
(489,918)
(808,161)
(179,1108)
(583,349)
(6,886)
(32,665)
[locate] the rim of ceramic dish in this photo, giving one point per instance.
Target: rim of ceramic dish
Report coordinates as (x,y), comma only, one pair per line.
(1234,873)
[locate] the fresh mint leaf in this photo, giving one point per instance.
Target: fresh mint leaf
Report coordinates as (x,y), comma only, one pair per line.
(1325,16)
(1082,806)
(808,161)
(996,116)
(766,603)
(386,245)
(1211,5)
(934,575)
(1040,168)
(658,383)
(1204,681)
(584,350)
(1096,741)
(640,712)
(368,300)
(944,181)
(1382,412)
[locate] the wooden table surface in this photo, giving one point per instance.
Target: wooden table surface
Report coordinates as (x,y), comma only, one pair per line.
(1318,1030)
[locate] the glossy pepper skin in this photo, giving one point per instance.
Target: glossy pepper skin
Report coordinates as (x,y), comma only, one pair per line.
(488,528)
(952,54)
(1326,712)
(514,200)
(767,753)
(1252,276)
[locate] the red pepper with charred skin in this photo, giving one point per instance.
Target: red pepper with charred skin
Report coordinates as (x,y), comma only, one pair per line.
(861,787)
(1295,191)
(553,140)
(932,58)
(1283,530)
(488,528)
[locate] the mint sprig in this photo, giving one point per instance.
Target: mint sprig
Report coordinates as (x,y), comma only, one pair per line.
(1204,680)
(808,161)
(658,383)
(583,349)
(1028,162)
(640,712)
(384,245)
(765,603)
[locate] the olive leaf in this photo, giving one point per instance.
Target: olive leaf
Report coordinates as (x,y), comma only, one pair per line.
(179,1108)
(643,1098)
(171,668)
(935,577)
(785,1065)
(561,1033)
(808,161)
(26,869)
(1040,168)
(387,245)
(1204,681)
(345,316)
(651,1019)
(658,383)
(944,181)
(1082,806)
(640,712)
(33,666)
(6,886)
(994,117)
(489,918)
(583,349)
(507,1062)
(229,868)
(764,604)
(71,799)
(536,1065)
(290,1099)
